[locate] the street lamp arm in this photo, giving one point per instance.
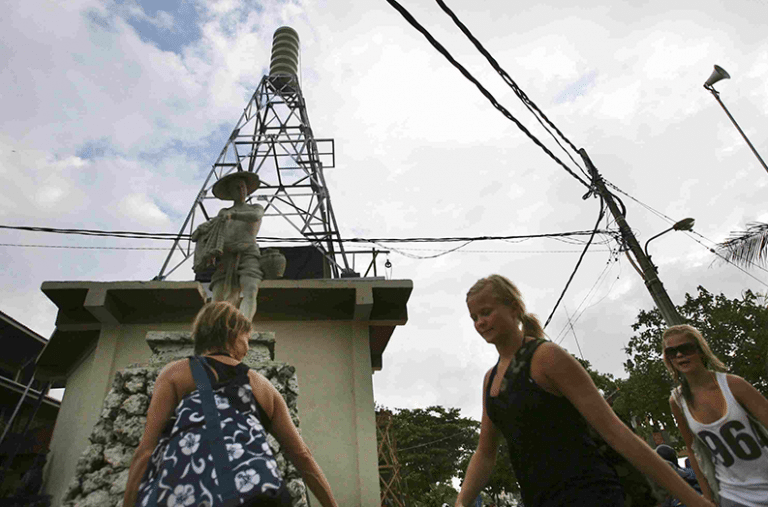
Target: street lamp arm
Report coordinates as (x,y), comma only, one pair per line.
(645,249)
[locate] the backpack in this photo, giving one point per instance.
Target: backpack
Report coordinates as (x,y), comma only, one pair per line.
(639,491)
(213,454)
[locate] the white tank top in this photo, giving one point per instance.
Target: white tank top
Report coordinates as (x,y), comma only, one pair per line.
(738,450)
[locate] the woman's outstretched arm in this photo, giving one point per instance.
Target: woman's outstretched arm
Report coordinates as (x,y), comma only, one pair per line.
(290,440)
(563,373)
(483,460)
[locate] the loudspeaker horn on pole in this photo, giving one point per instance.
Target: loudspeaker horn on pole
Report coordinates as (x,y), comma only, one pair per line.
(718,74)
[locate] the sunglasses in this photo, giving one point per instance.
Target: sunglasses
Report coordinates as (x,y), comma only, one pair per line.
(686,349)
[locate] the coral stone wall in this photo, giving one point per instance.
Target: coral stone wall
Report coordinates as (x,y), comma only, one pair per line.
(102,470)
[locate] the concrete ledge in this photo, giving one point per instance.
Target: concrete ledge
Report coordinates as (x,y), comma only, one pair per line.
(84,307)
(95,303)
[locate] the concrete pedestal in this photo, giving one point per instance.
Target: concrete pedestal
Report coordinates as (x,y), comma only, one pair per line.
(334,332)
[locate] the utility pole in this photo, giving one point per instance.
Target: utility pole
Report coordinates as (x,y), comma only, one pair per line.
(652,282)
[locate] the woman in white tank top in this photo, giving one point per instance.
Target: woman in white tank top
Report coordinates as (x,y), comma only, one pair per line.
(722,420)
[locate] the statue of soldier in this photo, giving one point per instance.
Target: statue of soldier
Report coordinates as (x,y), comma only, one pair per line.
(229,242)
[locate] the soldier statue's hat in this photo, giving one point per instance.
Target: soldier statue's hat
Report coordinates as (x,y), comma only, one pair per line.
(223,188)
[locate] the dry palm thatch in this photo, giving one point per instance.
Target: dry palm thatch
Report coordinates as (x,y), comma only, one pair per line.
(746,248)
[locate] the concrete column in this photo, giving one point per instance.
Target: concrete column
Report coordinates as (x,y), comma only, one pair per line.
(82,399)
(365,419)
(102,367)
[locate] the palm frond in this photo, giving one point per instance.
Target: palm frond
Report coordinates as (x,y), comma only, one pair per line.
(746,248)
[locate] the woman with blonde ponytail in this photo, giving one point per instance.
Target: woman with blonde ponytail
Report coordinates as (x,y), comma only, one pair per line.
(541,400)
(721,418)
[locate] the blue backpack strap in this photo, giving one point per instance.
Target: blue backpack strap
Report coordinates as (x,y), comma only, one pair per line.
(212,431)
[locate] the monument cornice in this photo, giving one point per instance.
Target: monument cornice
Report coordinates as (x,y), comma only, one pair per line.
(85,307)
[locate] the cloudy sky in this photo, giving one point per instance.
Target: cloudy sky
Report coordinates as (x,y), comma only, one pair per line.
(113,112)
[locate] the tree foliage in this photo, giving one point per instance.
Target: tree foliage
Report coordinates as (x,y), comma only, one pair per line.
(502,480)
(434,445)
(605,382)
(736,330)
(431,445)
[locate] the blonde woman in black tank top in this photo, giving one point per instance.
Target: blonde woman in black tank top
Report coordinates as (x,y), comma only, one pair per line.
(558,393)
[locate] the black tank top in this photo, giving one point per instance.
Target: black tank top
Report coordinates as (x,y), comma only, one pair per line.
(555,460)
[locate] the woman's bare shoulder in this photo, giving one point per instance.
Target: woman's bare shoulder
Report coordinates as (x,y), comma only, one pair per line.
(174,368)
(549,353)
(259,380)
(735,380)
(738,385)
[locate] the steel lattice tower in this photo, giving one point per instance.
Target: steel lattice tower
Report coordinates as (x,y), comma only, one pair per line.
(273,139)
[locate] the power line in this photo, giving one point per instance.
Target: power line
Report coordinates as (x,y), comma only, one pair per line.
(84,247)
(504,251)
(579,312)
(408,17)
(532,107)
(578,263)
(271,239)
(573,331)
(505,112)
(691,235)
(412,256)
(731,263)
(26,245)
(94,232)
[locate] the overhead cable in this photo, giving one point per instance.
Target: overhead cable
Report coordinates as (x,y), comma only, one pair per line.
(573,331)
(173,236)
(532,107)
(613,259)
(504,251)
(94,232)
(578,263)
(408,17)
(75,247)
(413,256)
(691,234)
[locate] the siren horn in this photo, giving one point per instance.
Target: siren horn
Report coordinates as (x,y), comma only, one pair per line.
(718,74)
(285,52)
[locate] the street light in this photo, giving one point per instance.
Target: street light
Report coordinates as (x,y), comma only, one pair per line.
(718,74)
(685,224)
